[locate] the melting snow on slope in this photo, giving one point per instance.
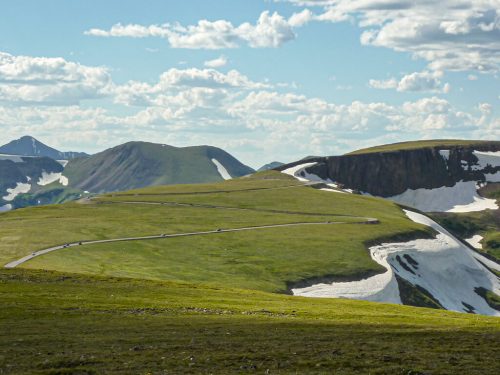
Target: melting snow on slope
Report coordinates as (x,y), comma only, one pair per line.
(222,171)
(20,188)
(486,158)
(48,178)
(63,162)
(443,266)
(300,173)
(475,241)
(462,197)
(6,208)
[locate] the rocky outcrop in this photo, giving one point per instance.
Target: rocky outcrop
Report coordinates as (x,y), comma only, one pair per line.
(391,173)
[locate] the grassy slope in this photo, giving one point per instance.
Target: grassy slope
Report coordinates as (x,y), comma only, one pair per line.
(418,144)
(54,323)
(138,164)
(265,259)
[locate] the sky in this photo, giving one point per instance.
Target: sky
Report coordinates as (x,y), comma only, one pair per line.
(265,80)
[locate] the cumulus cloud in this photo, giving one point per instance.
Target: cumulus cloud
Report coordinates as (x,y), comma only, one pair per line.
(451,35)
(216,63)
(192,106)
(43,80)
(270,30)
(416,82)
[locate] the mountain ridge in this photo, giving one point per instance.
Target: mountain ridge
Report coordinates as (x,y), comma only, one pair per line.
(30,146)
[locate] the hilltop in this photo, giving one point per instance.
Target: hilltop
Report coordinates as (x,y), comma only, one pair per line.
(29,146)
(140,164)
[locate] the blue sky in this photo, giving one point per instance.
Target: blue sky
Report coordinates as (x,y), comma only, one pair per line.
(265,80)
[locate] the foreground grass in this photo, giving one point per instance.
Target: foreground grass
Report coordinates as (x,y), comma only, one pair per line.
(264,259)
(419,144)
(56,323)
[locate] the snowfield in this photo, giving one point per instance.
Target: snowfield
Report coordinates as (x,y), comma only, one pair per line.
(20,188)
(445,267)
(462,197)
(222,171)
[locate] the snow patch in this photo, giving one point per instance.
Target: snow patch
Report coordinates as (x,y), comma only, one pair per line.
(462,197)
(63,180)
(63,162)
(48,178)
(443,266)
(5,208)
(21,188)
(486,158)
(14,158)
(445,154)
(475,241)
(222,171)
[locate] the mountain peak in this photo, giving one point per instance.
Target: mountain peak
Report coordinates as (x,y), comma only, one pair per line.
(30,146)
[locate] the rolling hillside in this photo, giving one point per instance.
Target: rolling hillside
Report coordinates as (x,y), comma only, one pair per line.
(140,164)
(194,277)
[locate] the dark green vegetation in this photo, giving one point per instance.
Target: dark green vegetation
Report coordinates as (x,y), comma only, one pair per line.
(437,143)
(139,164)
(490,297)
(485,223)
(61,323)
(266,259)
(53,193)
(415,295)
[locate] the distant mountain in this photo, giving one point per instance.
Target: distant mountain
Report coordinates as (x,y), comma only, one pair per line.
(29,146)
(140,164)
(271,165)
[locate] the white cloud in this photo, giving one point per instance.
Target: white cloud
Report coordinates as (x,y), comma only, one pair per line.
(416,82)
(216,63)
(43,80)
(450,34)
(270,31)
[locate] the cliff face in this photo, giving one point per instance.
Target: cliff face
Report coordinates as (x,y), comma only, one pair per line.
(391,173)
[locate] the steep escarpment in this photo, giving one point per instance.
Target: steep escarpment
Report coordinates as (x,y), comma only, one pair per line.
(389,173)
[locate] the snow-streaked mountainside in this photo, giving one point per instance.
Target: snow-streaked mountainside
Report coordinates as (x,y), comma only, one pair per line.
(427,178)
(29,146)
(140,164)
(451,274)
(23,174)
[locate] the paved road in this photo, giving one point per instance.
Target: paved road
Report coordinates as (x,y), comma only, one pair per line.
(162,236)
(363,220)
(203,205)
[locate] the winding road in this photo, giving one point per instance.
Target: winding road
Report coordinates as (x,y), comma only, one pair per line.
(363,220)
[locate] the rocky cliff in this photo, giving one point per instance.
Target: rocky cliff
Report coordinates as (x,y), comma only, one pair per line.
(389,173)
